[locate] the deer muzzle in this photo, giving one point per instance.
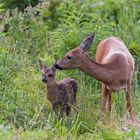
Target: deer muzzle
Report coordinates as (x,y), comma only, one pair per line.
(57,66)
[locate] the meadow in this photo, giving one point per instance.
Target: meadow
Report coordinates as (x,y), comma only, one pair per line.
(47,31)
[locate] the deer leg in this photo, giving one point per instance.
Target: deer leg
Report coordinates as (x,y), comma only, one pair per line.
(105,93)
(109,101)
(128,100)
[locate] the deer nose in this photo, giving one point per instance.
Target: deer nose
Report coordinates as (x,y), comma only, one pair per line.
(57,66)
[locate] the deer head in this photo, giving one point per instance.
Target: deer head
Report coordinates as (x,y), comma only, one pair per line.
(73,59)
(48,74)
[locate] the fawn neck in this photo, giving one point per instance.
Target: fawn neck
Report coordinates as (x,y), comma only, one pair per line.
(52,92)
(51,87)
(96,70)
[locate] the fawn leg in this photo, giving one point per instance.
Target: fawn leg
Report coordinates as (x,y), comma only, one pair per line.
(74,103)
(68,110)
(58,108)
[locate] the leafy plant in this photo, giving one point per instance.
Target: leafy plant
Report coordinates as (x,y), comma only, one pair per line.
(21,4)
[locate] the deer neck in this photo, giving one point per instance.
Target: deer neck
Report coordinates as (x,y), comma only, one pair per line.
(95,70)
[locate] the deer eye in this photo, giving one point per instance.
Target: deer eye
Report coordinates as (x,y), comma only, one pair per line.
(69,57)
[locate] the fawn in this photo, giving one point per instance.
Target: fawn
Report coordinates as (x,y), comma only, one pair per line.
(61,94)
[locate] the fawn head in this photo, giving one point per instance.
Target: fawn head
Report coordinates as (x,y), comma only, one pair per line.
(48,74)
(73,59)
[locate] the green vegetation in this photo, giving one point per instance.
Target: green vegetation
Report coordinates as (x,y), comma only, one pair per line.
(21,4)
(47,32)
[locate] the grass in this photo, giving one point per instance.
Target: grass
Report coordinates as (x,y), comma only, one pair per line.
(108,130)
(87,125)
(25,112)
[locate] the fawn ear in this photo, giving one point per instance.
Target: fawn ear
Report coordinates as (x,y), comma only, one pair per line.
(42,66)
(53,68)
(85,44)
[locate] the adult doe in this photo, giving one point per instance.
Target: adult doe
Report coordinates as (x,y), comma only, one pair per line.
(114,67)
(61,94)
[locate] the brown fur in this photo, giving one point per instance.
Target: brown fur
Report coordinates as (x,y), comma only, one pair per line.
(61,94)
(114,67)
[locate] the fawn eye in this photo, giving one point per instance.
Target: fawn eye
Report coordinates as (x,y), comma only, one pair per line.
(69,57)
(50,75)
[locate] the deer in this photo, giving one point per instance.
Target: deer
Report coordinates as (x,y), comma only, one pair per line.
(114,67)
(61,94)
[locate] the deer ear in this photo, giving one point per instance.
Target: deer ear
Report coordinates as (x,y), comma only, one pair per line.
(42,66)
(85,44)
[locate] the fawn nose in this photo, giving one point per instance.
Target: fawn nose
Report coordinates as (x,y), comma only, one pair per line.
(57,66)
(44,80)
